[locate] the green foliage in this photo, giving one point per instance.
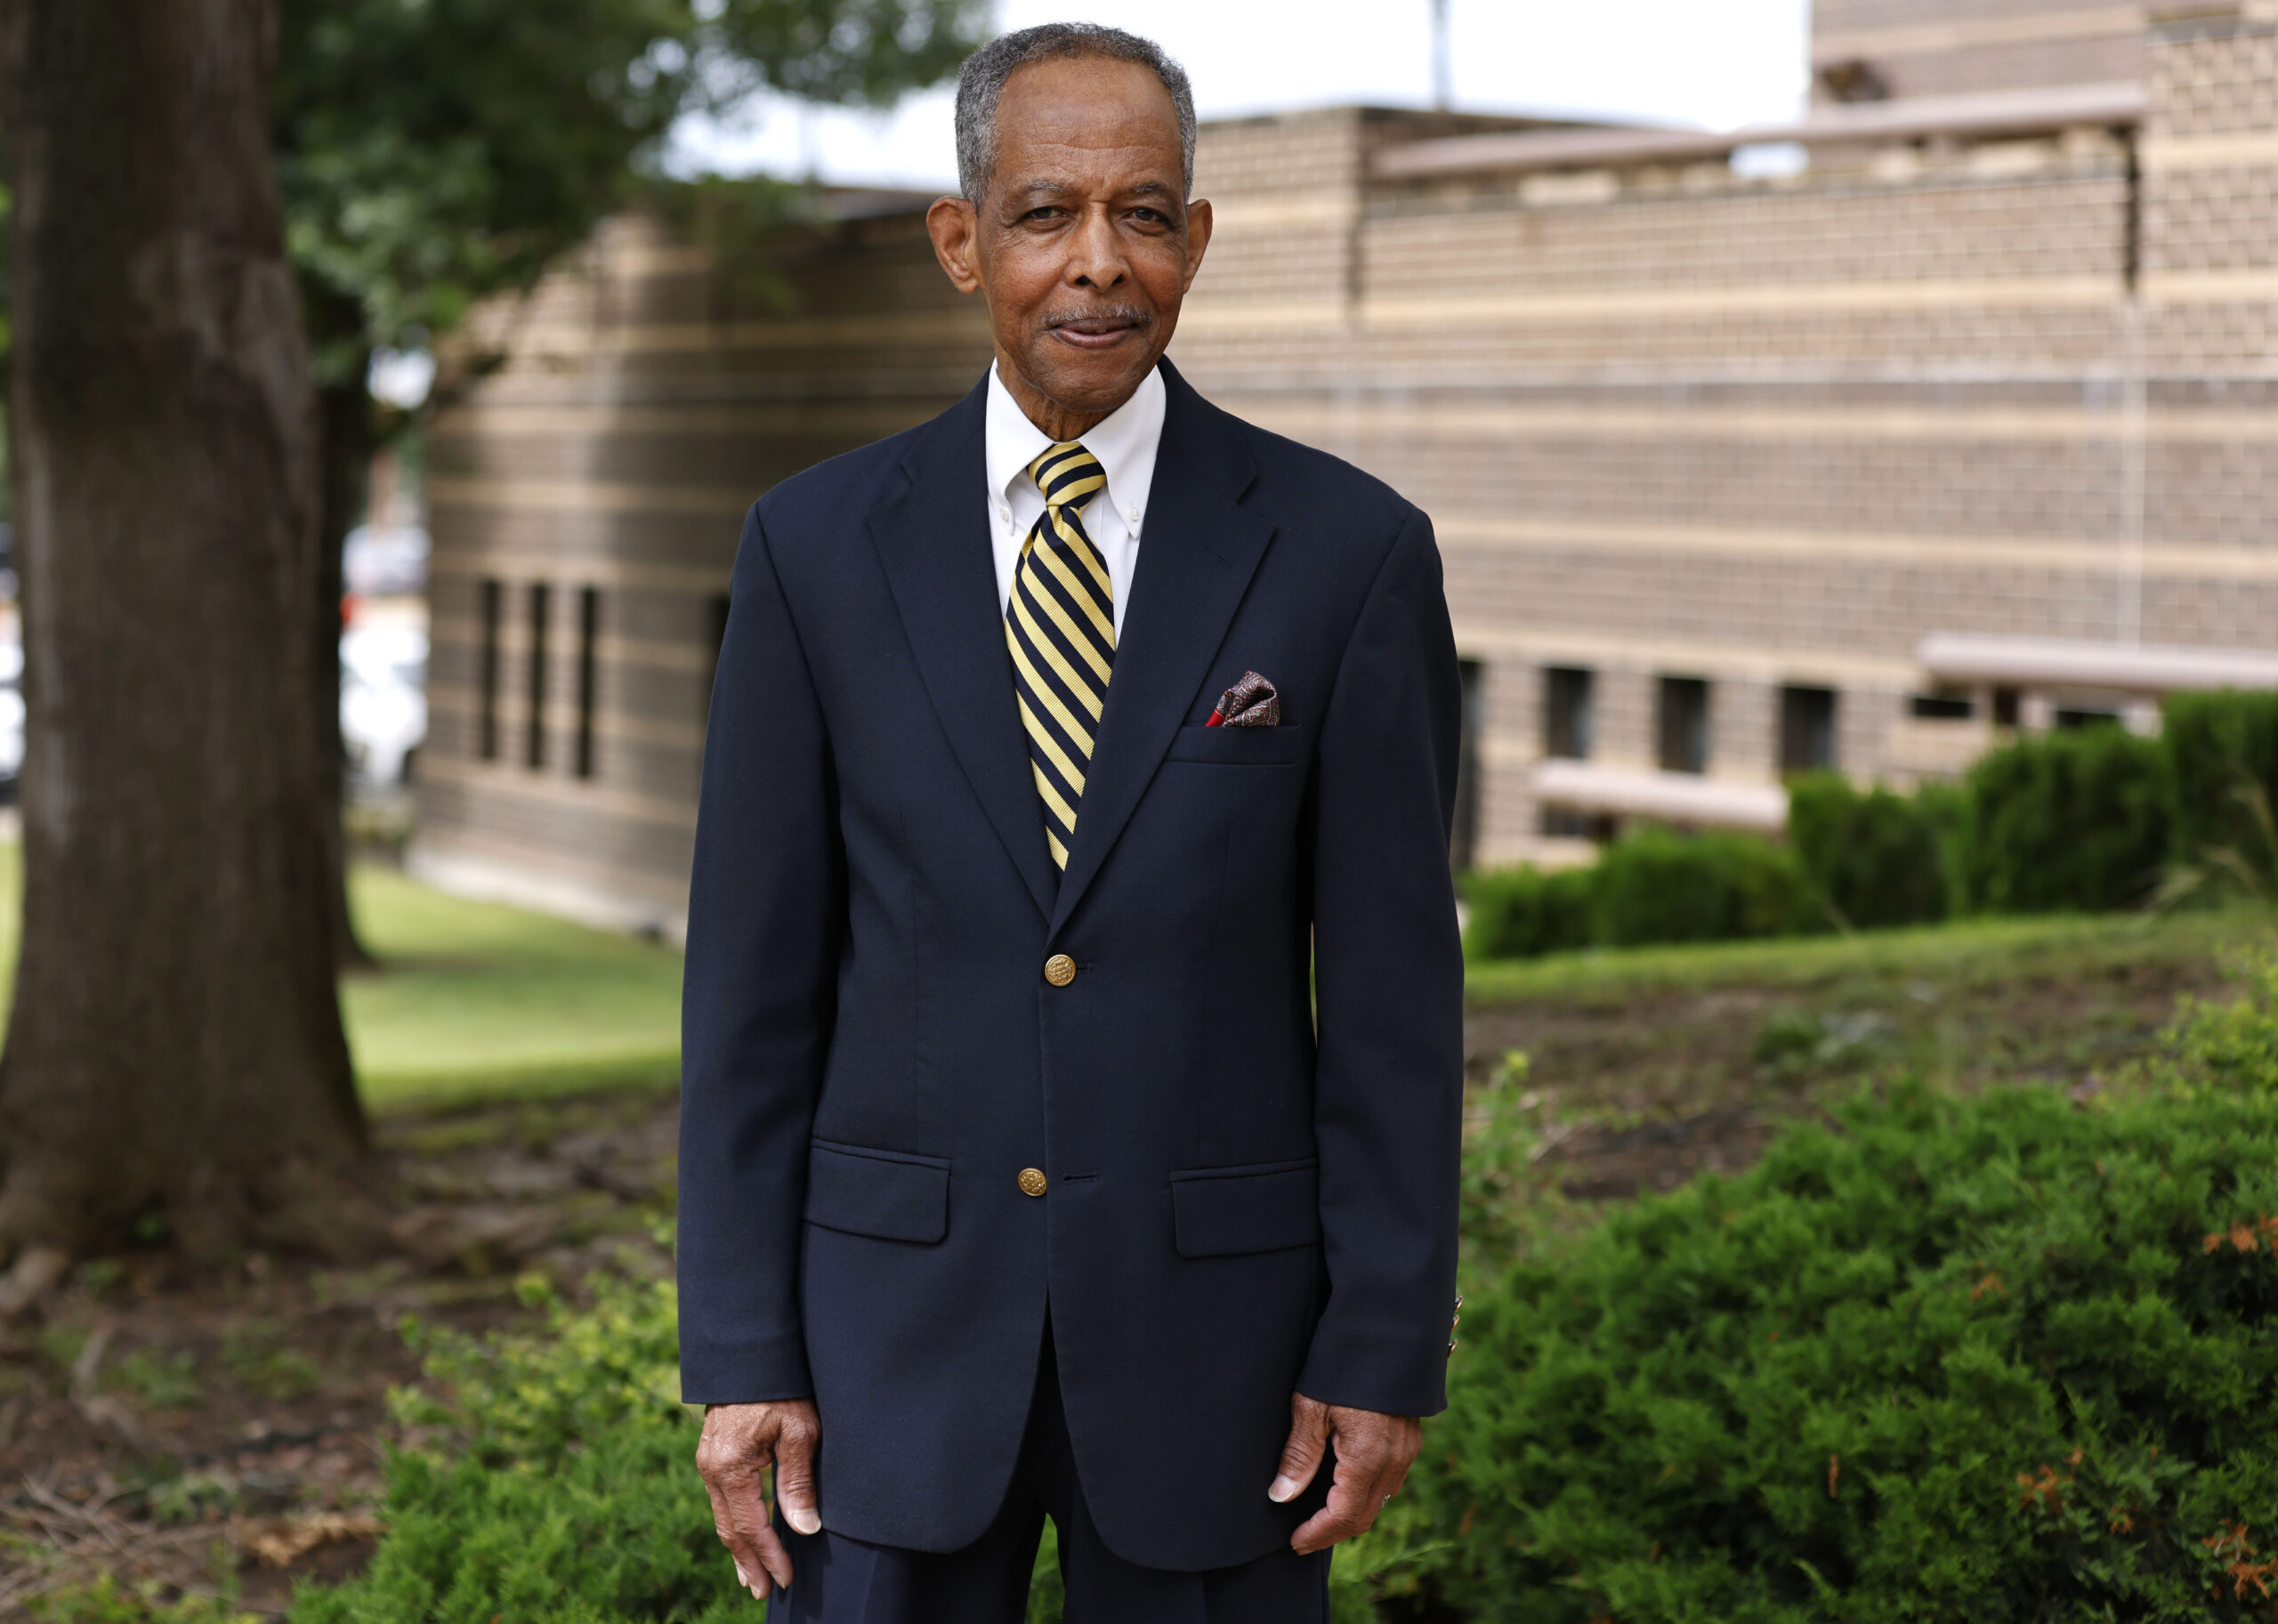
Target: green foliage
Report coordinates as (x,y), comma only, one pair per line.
(159,1380)
(1651,885)
(1656,885)
(551,1477)
(2230,1046)
(260,1360)
(2005,1360)
(108,1601)
(430,152)
(1526,912)
(1874,857)
(2065,822)
(2221,751)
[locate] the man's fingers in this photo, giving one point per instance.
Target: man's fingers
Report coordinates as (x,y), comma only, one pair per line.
(795,1476)
(1301,1454)
(741,1551)
(1356,1494)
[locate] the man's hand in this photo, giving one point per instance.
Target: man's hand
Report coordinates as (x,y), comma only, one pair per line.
(741,1442)
(1373,1454)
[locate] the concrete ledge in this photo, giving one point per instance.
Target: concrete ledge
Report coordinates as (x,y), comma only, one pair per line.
(2064,662)
(544,891)
(1669,797)
(2009,112)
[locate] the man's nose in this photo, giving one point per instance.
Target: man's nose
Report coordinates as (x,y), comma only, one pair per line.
(1095,258)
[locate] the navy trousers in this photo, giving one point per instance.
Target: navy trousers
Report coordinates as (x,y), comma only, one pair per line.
(839,1581)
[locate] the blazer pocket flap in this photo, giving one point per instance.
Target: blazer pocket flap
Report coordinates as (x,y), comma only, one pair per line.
(888,1194)
(1240,747)
(1220,1212)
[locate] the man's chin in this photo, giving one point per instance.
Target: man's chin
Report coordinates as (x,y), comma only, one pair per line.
(1091,378)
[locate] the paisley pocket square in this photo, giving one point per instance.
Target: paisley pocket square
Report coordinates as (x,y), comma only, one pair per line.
(1252,702)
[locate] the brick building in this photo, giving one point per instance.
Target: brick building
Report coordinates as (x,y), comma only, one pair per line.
(1964,423)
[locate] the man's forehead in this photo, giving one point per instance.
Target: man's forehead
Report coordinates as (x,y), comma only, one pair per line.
(1088,101)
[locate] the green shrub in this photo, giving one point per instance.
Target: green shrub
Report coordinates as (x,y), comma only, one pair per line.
(1526,912)
(1653,884)
(2221,751)
(2007,1360)
(2230,1046)
(2065,822)
(1874,857)
(550,1478)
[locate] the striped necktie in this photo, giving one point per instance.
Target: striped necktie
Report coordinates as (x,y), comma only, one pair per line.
(1061,625)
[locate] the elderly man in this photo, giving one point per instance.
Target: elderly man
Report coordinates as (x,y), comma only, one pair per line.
(1073,1017)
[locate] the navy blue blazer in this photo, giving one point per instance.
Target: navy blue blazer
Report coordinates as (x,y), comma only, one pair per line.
(1246,1103)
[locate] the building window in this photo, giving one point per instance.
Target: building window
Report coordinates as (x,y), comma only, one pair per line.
(716,621)
(1463,842)
(1944,704)
(2007,703)
(2068,718)
(492,607)
(1684,724)
(1566,713)
(589,628)
(1806,728)
(541,613)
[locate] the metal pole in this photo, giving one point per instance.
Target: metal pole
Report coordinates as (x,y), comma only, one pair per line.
(1444,93)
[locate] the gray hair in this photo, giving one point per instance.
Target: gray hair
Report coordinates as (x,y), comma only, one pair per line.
(983,80)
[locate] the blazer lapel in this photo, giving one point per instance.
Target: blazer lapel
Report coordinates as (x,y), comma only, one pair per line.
(1196,558)
(931,534)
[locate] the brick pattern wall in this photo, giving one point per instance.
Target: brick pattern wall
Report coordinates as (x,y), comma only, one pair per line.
(1667,420)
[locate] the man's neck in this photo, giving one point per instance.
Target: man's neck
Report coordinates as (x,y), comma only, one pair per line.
(1057,422)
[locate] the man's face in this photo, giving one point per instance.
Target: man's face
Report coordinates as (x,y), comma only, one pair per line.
(1084,244)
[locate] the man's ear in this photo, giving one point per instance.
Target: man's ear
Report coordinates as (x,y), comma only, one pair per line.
(1198,238)
(956,231)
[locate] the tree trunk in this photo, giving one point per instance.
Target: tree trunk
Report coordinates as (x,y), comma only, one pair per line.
(345,454)
(176,1046)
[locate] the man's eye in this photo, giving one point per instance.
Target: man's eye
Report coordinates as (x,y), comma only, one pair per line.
(1151,216)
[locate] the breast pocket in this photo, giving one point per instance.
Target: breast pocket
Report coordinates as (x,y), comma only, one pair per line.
(1239,747)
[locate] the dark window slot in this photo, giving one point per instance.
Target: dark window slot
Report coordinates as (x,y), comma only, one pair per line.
(1684,724)
(1566,705)
(1806,728)
(589,628)
(541,613)
(492,608)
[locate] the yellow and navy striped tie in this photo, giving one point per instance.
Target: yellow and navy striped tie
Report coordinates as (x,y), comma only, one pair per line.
(1061,625)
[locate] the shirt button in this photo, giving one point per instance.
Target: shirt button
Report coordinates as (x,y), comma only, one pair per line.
(1031,1181)
(1059,969)
(1134,515)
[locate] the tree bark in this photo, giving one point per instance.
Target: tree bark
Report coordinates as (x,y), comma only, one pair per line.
(345,445)
(176,1046)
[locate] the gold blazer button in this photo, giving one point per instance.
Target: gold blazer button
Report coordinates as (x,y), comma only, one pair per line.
(1058,970)
(1031,1181)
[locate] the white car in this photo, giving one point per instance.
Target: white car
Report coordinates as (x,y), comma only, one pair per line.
(382,698)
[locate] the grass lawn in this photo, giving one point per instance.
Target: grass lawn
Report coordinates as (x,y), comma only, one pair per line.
(474,1001)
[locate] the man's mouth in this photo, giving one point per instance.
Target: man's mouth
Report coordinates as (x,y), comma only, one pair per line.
(1098,329)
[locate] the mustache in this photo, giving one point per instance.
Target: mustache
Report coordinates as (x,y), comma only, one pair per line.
(1129,315)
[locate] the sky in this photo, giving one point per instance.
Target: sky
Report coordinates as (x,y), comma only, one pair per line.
(1709,64)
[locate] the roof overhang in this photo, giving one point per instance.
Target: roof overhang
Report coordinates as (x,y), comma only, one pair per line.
(2018,112)
(2060,662)
(1667,797)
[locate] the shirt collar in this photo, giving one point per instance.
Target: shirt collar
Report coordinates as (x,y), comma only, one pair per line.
(1125,442)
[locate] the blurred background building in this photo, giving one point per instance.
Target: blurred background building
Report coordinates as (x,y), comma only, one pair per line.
(1943,411)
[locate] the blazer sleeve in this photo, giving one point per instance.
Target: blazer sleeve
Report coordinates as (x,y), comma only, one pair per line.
(765,904)
(1388,967)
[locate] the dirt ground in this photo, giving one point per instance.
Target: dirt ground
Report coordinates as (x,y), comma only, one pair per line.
(187,1431)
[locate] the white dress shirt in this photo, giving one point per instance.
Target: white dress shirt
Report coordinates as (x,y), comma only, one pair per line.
(1124,442)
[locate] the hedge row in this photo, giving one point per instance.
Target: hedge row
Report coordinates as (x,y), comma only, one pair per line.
(2004,1360)
(2084,821)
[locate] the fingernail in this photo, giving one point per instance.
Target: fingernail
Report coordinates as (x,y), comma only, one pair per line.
(742,1578)
(805,1520)
(1284,1487)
